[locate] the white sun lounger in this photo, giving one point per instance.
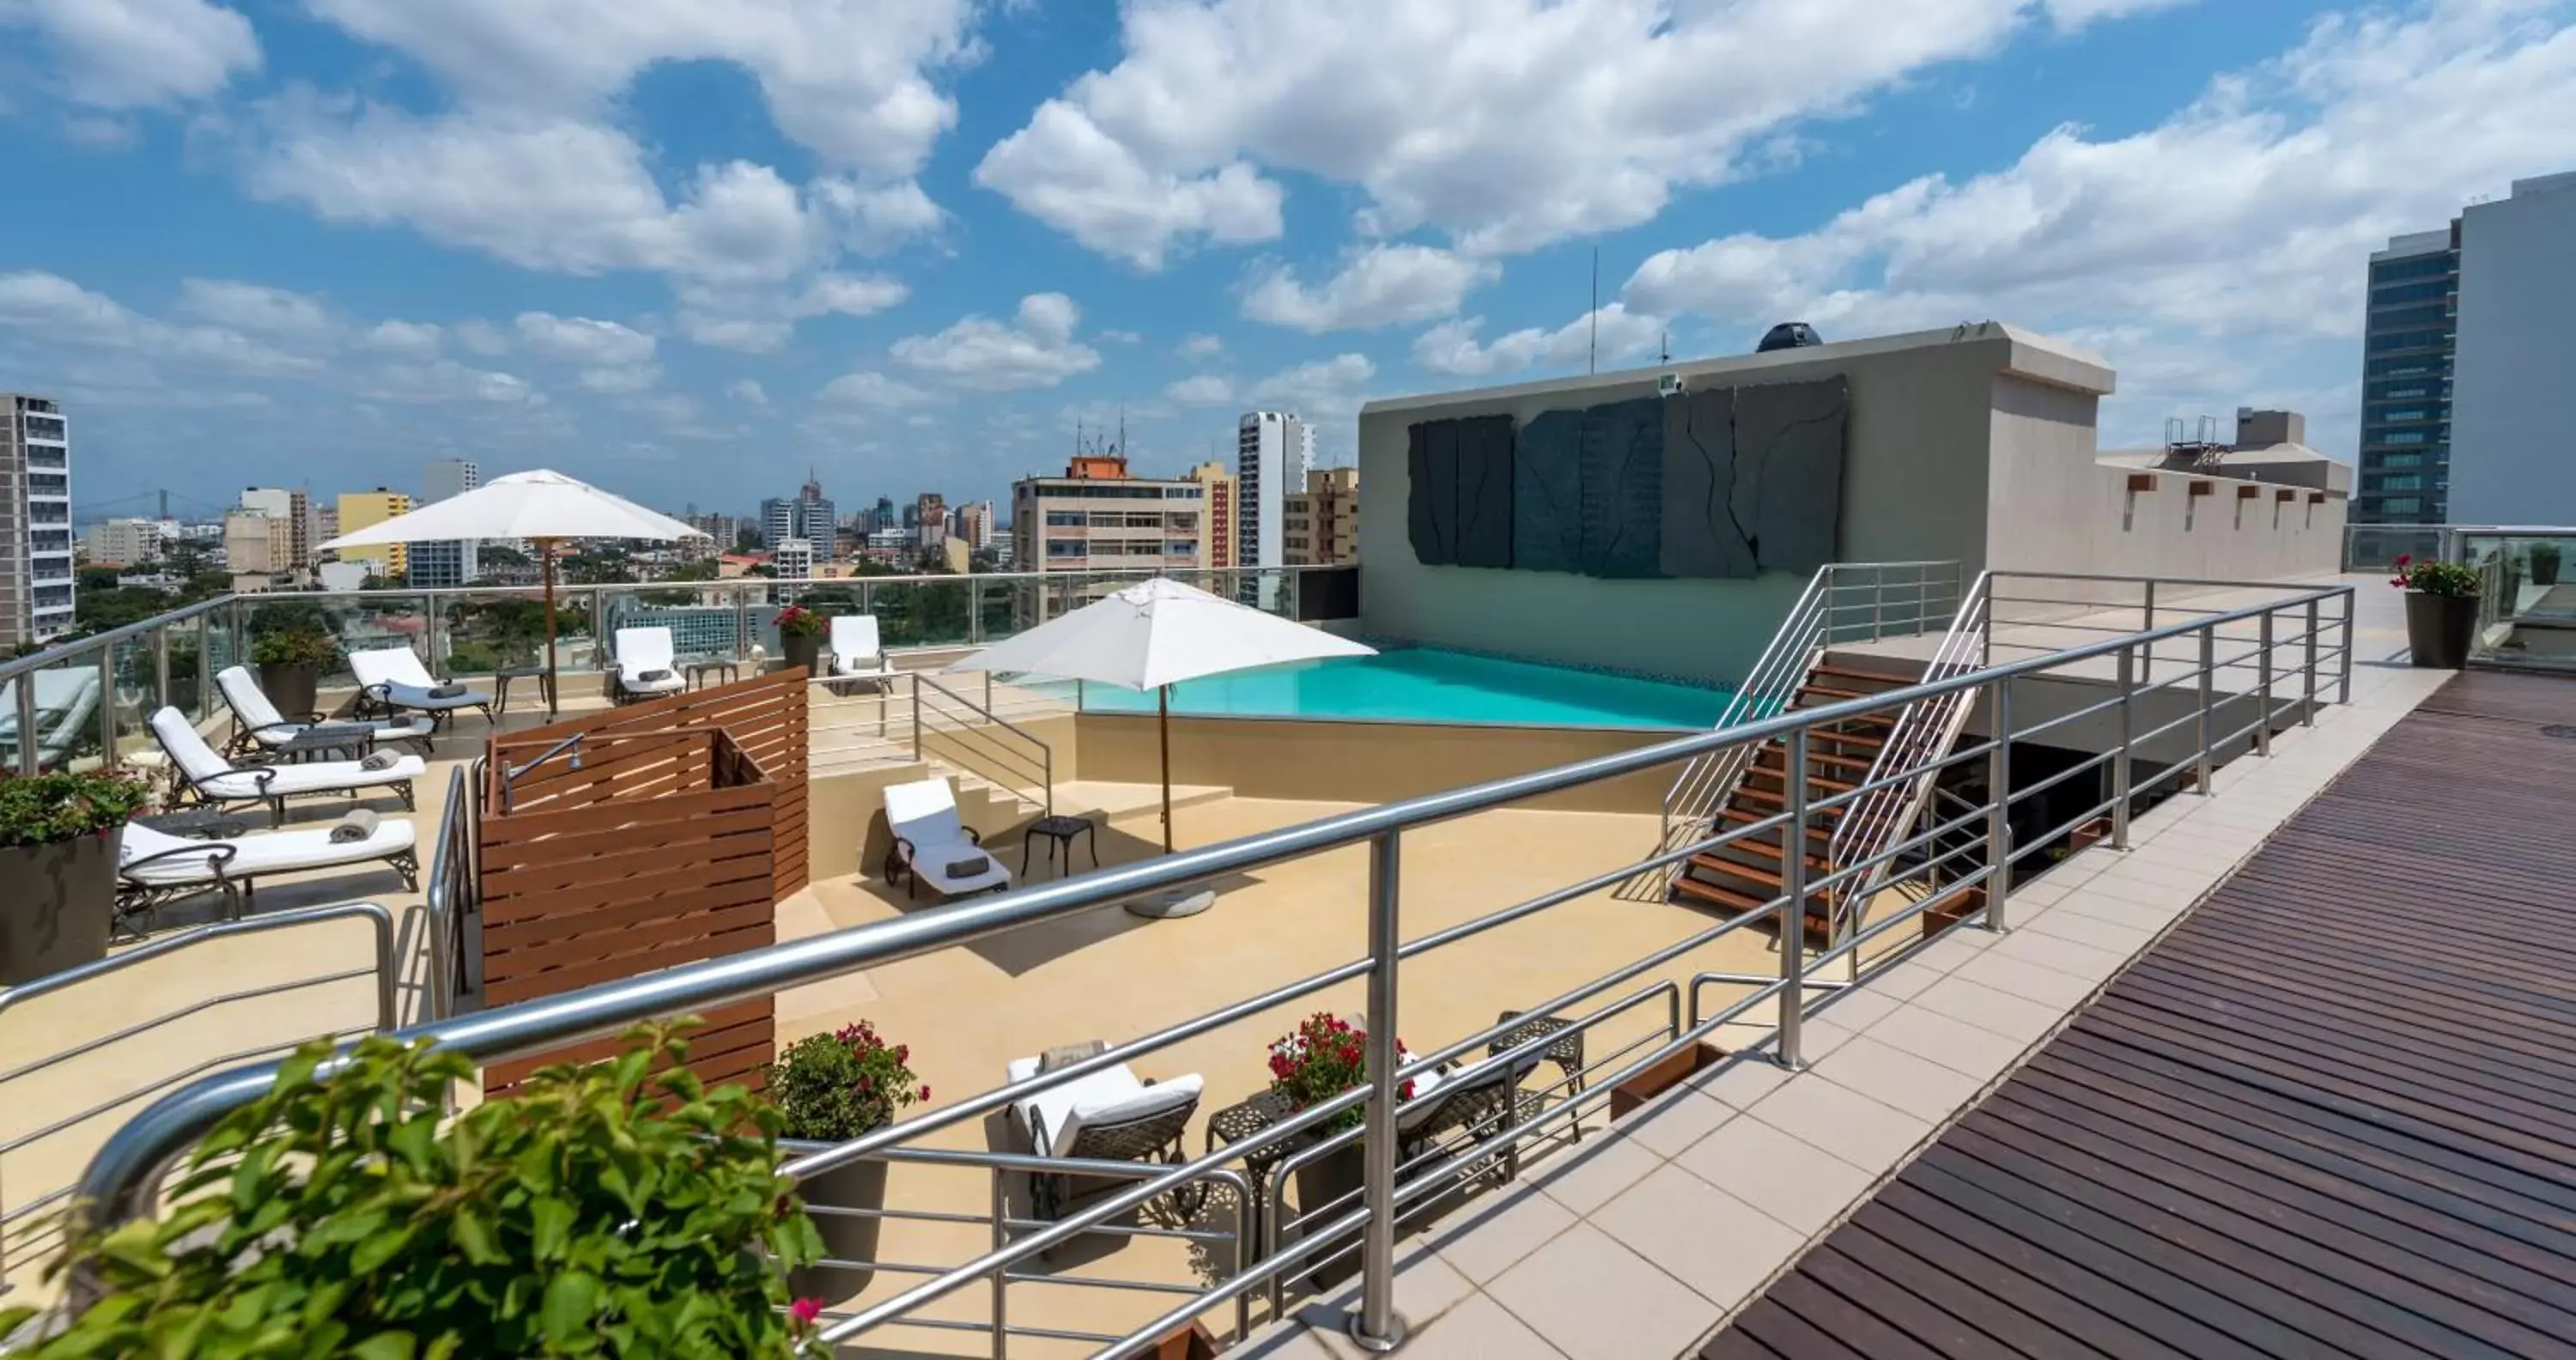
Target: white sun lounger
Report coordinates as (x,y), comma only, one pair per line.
(643,652)
(933,846)
(155,867)
(391,678)
(858,653)
(258,725)
(214,780)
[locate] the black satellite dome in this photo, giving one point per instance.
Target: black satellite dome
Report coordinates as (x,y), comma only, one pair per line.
(1788,335)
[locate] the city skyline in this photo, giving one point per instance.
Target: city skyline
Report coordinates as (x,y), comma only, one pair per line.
(918,264)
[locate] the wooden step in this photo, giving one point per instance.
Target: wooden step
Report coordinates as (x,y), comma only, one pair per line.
(1815,781)
(1775,798)
(1747,817)
(1819,924)
(1815,757)
(1880,678)
(1755,873)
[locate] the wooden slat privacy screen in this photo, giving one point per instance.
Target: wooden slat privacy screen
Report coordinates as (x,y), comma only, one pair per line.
(671,844)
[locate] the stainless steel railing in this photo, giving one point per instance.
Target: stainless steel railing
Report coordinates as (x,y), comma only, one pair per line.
(981,742)
(1843,603)
(455,894)
(29,1223)
(2277,659)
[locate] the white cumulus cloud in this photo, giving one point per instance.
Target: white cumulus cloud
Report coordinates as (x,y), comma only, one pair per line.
(125,54)
(1379,285)
(1036,349)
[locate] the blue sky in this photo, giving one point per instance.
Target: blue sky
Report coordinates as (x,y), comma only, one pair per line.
(690,250)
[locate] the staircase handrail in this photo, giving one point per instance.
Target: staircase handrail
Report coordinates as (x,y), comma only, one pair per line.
(1922,735)
(1041,763)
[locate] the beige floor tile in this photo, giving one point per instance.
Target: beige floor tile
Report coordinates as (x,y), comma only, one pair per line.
(1586,1175)
(1742,1081)
(1596,1300)
(1479,1329)
(1426,1287)
(1858,1007)
(1951,1042)
(1708,1239)
(2030,981)
(1674,1120)
(1497,1231)
(1911,1083)
(2158,895)
(2095,933)
(1986,1008)
(2050,950)
(2121,911)
(1289,1340)
(1869,1134)
(1904,981)
(1818,1037)
(2188,880)
(1801,1185)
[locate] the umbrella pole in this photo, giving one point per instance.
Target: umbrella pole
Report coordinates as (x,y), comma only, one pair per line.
(1163,722)
(546,554)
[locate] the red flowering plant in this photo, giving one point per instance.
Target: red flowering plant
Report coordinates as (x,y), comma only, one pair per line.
(798,621)
(835,1087)
(1322,1058)
(2432,577)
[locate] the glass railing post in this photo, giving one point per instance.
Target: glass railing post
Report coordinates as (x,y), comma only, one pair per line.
(161,669)
(1793,906)
(2150,658)
(2208,708)
(106,705)
(2343,693)
(1001,1281)
(2263,692)
(2120,770)
(2308,672)
(28,755)
(1999,806)
(1377,1327)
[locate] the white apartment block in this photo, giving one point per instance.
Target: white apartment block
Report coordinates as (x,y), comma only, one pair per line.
(125,542)
(450,562)
(35,521)
(1274,452)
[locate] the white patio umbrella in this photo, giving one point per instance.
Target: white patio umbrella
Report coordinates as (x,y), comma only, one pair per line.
(542,507)
(1154,635)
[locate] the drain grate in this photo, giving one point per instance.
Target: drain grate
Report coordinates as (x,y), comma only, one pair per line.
(2562,731)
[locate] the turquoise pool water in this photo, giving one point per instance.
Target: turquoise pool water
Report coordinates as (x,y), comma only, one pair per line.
(1426,684)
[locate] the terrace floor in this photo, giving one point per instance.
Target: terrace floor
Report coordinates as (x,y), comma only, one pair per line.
(2328,1114)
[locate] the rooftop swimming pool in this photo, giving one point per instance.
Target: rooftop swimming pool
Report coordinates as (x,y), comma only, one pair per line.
(1426,684)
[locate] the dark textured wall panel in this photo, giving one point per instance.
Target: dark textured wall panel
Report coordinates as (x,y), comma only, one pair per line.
(1623,478)
(1485,491)
(1701,534)
(1547,493)
(1431,497)
(1789,470)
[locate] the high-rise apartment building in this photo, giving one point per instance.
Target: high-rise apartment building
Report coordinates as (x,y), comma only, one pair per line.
(450,562)
(1218,492)
(2513,455)
(974,523)
(2407,345)
(258,548)
(366,509)
(722,532)
(301,523)
(1097,518)
(809,517)
(777,521)
(1321,525)
(883,517)
(930,521)
(124,542)
(1274,451)
(35,521)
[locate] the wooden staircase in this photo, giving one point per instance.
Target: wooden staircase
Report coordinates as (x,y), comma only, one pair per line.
(1745,875)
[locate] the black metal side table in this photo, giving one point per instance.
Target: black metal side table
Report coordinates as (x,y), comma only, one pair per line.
(336,741)
(1565,1055)
(698,670)
(501,685)
(1246,1119)
(1060,831)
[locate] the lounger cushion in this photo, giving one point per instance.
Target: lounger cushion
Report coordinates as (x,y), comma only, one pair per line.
(274,852)
(420,697)
(1112,1096)
(398,674)
(315,777)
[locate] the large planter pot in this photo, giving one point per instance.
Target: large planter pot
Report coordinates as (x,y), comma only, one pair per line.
(59,907)
(2544,570)
(801,651)
(289,685)
(182,694)
(1336,1174)
(846,1237)
(2439,628)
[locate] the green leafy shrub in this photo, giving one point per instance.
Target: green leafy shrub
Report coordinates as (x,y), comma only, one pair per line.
(2432,577)
(45,808)
(605,1211)
(835,1087)
(295,647)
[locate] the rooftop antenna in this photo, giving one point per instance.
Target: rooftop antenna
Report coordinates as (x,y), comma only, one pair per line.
(1668,346)
(1593,364)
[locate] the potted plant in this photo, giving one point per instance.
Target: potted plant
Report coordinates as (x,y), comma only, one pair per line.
(291,662)
(2544,564)
(2441,610)
(606,1210)
(800,635)
(831,1088)
(182,691)
(1323,1057)
(58,838)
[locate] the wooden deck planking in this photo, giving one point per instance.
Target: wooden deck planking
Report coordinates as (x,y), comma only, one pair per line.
(2331,1113)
